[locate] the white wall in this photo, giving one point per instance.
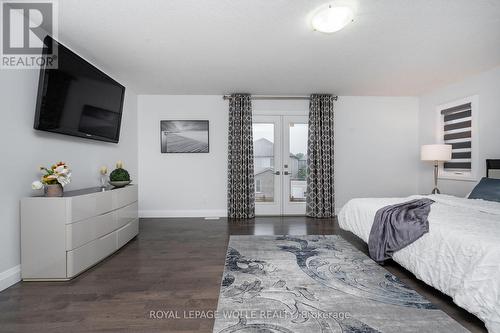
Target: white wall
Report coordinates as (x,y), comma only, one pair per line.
(182,184)
(23,150)
(486,85)
(376,151)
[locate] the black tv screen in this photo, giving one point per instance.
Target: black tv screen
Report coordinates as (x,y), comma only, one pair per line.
(78,99)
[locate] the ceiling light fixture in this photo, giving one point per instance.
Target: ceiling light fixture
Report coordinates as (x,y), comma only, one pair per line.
(331,19)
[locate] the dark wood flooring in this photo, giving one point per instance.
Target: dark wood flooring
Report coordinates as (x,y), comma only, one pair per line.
(173,265)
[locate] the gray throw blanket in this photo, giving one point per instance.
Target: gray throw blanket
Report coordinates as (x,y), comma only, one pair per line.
(397,226)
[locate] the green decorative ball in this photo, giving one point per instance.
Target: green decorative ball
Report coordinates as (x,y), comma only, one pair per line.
(119,175)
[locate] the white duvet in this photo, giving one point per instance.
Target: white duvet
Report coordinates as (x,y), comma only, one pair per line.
(460,255)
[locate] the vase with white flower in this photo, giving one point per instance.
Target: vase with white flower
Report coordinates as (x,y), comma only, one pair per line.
(53,179)
(104,172)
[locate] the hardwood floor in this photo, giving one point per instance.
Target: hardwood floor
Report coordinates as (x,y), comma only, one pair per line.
(173,265)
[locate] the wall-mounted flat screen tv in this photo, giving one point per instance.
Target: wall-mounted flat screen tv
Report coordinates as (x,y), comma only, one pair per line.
(78,99)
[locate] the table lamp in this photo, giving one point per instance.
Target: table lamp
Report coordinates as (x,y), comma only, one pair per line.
(435,153)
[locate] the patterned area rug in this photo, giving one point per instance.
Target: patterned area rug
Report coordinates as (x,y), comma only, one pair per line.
(316,284)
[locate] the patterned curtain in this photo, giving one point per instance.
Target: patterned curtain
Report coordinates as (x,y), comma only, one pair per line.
(240,185)
(320,198)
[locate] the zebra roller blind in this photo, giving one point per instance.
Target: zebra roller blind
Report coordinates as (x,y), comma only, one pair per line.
(457,131)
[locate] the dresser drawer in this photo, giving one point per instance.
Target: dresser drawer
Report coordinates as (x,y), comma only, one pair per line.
(82,232)
(86,206)
(124,196)
(127,232)
(89,254)
(126,214)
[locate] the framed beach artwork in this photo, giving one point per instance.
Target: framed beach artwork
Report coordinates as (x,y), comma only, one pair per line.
(184,136)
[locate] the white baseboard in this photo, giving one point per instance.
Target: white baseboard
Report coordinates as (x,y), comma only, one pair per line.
(183,213)
(10,277)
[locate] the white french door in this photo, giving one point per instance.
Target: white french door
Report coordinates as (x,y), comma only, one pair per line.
(280,153)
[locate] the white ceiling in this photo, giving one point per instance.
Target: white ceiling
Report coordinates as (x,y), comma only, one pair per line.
(394,47)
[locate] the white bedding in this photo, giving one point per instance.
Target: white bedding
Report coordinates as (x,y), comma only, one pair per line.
(460,255)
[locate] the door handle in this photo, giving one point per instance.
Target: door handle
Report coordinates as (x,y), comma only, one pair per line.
(286,173)
(277,173)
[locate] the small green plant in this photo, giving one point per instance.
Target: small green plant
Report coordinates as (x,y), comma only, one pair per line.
(119,174)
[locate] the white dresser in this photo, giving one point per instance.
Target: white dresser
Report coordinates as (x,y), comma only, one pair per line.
(62,237)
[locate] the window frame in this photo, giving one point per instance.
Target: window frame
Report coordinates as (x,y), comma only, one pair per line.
(258,184)
(473,174)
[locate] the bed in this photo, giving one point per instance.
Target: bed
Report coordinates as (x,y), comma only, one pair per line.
(460,255)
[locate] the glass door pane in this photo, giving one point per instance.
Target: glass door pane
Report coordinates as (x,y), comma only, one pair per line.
(298,162)
(263,149)
(267,164)
(295,132)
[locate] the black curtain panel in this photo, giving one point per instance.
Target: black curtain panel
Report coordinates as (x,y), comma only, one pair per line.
(240,185)
(320,197)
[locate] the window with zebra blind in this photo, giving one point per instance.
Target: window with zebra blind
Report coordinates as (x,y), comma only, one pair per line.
(457,127)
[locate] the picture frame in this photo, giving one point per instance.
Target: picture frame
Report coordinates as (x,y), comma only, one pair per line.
(184,136)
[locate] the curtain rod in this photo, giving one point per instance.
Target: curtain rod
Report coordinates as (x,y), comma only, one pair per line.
(275,97)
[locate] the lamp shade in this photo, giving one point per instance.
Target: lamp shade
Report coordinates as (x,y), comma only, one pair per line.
(435,153)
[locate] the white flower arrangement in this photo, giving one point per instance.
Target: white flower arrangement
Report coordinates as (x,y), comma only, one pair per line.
(58,173)
(103,170)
